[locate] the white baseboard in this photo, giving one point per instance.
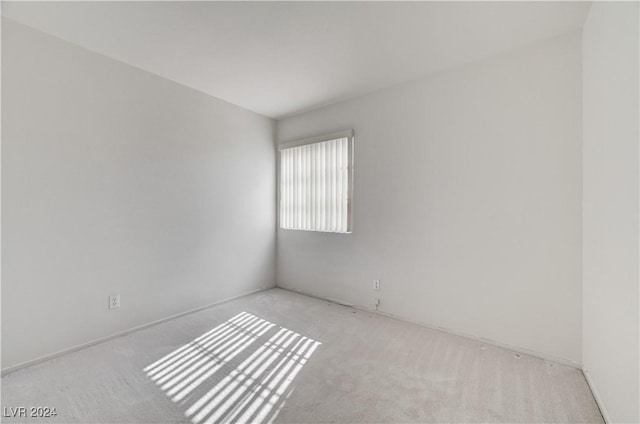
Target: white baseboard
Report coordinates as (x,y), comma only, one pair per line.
(525,351)
(516,349)
(603,410)
(54,355)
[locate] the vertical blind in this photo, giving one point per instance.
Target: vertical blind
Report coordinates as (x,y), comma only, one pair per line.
(315,186)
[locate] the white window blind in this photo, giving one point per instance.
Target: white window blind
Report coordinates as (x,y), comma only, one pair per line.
(316,184)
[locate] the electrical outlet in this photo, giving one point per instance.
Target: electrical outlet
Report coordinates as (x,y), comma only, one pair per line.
(114,301)
(376,285)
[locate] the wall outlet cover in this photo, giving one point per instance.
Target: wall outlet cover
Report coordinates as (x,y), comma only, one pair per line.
(114,301)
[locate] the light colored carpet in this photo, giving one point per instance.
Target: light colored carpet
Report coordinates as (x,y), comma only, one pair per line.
(278,356)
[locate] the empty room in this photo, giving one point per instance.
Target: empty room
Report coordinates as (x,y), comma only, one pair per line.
(320,212)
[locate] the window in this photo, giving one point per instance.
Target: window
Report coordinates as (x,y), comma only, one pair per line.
(316,189)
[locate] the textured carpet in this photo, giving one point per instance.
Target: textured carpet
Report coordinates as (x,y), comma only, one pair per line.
(278,356)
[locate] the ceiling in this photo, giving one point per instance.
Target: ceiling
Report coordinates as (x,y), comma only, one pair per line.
(283,58)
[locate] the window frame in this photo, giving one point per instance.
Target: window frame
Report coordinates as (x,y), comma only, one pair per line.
(350,136)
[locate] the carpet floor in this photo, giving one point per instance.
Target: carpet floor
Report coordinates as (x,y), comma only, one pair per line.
(278,356)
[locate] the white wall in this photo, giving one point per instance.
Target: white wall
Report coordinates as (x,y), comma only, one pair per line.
(118,181)
(467,201)
(610,220)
